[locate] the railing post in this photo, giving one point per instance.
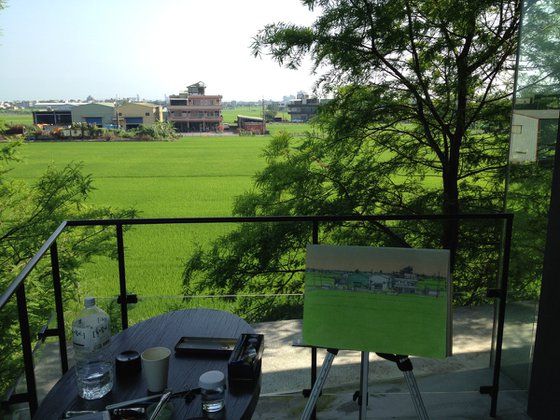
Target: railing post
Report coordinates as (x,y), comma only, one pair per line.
(26,349)
(314,349)
(122,277)
(57,287)
(501,315)
(315,231)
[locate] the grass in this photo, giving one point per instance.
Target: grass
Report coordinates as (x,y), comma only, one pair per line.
(296,129)
(192,177)
(16,118)
(230,114)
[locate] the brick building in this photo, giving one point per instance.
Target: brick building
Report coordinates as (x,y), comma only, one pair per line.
(194,111)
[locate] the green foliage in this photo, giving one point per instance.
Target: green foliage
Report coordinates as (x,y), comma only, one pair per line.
(157,131)
(539,64)
(418,125)
(82,130)
(90,131)
(29,214)
(529,200)
(271,111)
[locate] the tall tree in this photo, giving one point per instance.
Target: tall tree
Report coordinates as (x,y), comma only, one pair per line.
(427,74)
(418,124)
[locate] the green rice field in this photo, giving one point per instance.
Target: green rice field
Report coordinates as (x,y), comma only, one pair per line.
(16,118)
(191,177)
(230,114)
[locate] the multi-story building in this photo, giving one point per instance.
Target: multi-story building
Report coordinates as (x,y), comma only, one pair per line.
(304,108)
(193,110)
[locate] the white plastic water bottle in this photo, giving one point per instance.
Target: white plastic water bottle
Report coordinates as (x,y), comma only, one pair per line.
(91,333)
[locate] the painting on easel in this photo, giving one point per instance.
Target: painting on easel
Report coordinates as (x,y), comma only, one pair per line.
(385,300)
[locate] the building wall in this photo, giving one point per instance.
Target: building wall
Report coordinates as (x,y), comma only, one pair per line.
(303,109)
(195,112)
(253,127)
(141,113)
(525,126)
(52,117)
(106,112)
(253,124)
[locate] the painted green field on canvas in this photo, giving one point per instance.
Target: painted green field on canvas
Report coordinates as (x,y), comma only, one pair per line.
(399,324)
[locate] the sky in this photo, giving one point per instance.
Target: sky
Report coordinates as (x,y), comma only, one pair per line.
(70,49)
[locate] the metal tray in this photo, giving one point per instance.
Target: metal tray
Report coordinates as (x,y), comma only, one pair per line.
(205,346)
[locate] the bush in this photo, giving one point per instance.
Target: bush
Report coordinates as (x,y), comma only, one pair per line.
(160,130)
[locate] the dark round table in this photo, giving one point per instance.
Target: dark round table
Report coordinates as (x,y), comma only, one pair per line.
(184,370)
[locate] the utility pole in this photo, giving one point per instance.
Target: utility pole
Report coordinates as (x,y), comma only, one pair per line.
(263,124)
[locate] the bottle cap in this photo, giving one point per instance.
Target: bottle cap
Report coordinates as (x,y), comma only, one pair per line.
(89,301)
(211,379)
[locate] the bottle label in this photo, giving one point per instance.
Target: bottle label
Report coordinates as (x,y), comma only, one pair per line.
(91,333)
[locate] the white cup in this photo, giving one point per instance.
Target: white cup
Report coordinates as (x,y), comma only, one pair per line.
(155,365)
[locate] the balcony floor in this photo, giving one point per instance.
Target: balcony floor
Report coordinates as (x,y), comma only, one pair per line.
(390,399)
(449,387)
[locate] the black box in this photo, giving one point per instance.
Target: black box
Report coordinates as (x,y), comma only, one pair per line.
(246,359)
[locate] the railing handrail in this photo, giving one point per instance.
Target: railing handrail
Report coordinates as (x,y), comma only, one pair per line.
(10,291)
(13,287)
(324,218)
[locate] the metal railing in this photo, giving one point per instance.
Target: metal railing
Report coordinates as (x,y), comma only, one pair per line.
(17,287)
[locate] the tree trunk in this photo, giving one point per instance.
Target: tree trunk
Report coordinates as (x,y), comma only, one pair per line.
(450,205)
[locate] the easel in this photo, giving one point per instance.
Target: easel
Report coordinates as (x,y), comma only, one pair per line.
(403,363)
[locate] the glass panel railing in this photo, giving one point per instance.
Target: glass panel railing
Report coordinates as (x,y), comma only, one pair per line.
(287,365)
(533,138)
(157,258)
(11,358)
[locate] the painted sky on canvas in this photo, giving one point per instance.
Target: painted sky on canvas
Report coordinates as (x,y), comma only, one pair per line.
(386,259)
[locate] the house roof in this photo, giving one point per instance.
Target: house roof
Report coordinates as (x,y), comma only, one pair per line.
(543,114)
(144,104)
(107,104)
(246,117)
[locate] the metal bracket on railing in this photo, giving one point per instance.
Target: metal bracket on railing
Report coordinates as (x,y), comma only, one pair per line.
(47,332)
(494,293)
(487,389)
(13,398)
(130,298)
